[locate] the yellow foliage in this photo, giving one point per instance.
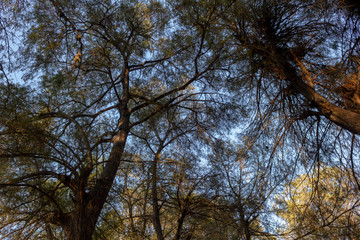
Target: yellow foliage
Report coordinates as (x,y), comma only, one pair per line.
(324,203)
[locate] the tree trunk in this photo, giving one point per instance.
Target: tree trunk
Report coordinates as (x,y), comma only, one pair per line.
(346,119)
(180,224)
(155,203)
(78,228)
(81,222)
(244,222)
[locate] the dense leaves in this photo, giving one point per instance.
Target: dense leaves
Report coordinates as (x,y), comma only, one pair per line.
(179,119)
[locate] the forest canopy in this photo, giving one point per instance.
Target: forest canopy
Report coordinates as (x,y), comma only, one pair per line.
(187,119)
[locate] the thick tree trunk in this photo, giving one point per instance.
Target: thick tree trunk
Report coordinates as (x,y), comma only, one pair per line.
(80,223)
(78,227)
(346,119)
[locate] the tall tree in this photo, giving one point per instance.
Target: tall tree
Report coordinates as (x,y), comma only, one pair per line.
(104,67)
(287,41)
(107,81)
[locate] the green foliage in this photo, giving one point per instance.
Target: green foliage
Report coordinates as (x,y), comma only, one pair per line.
(179,119)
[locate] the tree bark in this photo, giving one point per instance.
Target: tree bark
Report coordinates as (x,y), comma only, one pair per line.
(155,200)
(180,224)
(81,222)
(346,119)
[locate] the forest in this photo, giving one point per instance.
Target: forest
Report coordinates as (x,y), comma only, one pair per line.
(179,119)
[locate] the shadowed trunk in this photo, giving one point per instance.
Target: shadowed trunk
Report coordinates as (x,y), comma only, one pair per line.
(346,119)
(156,208)
(81,222)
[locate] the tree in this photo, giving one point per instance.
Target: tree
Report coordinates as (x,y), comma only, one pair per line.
(102,68)
(321,205)
(286,50)
(246,178)
(107,79)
